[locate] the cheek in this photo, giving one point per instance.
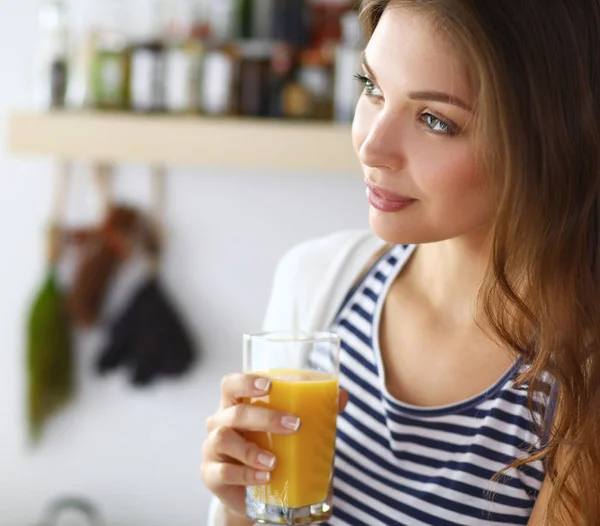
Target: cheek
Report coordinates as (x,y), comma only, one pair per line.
(452,186)
(450,174)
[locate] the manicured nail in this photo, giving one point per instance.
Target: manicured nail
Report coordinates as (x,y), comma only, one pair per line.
(266,459)
(262,384)
(290,422)
(263,476)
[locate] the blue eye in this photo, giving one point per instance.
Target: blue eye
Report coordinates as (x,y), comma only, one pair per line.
(437,126)
(369,85)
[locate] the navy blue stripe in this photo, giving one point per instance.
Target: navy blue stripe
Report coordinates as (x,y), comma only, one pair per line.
(383,442)
(365,408)
(371,367)
(338,512)
(359,334)
(362,313)
(449,483)
(472,430)
(514,398)
(471,447)
(475,448)
(456,485)
(394,504)
(350,375)
(437,500)
(471,469)
(471,411)
(549,416)
(370,294)
(391,259)
(510,418)
(379,276)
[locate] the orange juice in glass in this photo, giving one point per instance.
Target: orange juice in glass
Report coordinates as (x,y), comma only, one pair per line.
(304,370)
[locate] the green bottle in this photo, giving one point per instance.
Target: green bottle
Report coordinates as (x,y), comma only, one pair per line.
(111,65)
(246,9)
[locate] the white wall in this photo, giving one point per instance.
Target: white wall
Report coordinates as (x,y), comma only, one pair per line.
(137,454)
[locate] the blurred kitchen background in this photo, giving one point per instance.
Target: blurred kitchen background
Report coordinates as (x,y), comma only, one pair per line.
(129,440)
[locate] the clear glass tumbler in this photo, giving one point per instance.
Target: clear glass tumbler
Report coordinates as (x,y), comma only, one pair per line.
(304,370)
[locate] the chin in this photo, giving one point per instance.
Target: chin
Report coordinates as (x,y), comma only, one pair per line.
(397,230)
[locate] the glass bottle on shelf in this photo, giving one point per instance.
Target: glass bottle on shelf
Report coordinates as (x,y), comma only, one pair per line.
(218,81)
(184,55)
(262,19)
(245,9)
(315,74)
(112,61)
(297,102)
(291,22)
(220,70)
(252,89)
(79,88)
(256,19)
(51,65)
(148,61)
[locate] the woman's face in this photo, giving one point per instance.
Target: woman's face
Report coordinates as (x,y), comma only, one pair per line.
(413,133)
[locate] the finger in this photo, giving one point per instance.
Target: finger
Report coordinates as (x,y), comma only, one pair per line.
(218,474)
(343,400)
(225,443)
(245,417)
(237,386)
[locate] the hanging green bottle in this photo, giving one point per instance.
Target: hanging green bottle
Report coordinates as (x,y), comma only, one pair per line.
(50,368)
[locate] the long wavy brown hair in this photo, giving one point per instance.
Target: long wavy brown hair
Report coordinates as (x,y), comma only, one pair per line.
(536,68)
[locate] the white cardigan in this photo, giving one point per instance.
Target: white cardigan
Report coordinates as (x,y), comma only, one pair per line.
(310,284)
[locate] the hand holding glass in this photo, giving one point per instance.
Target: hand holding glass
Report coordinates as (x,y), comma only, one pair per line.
(304,371)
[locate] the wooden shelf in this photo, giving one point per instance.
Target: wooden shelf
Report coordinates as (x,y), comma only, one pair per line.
(172,140)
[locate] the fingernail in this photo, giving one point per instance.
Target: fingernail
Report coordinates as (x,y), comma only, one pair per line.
(291,422)
(263,476)
(267,460)
(262,384)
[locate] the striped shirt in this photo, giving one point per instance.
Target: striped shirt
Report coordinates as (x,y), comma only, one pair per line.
(398,464)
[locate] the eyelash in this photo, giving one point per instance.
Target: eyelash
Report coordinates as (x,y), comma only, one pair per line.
(450,129)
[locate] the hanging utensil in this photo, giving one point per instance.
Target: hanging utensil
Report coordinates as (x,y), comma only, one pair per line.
(50,376)
(149,336)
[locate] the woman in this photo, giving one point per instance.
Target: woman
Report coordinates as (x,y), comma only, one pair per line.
(471,348)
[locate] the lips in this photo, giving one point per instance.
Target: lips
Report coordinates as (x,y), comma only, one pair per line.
(386,200)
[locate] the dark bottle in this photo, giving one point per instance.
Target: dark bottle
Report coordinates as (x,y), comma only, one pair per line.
(254,78)
(51,72)
(291,22)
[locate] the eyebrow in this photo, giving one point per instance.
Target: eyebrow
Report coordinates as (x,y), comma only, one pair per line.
(436,96)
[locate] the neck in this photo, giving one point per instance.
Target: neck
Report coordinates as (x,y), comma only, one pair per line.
(448,275)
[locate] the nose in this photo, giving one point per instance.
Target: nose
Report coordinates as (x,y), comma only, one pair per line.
(382,146)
